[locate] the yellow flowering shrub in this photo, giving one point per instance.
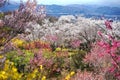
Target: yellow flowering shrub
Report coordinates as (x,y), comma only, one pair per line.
(58,49)
(1,56)
(18,42)
(43,78)
(32,75)
(41,67)
(9,72)
(69,75)
(36,74)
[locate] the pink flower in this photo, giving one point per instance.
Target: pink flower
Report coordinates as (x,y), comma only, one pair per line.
(99,33)
(111,37)
(113,54)
(118,43)
(75,43)
(118,58)
(101,55)
(101,43)
(112,69)
(117,75)
(115,45)
(52,38)
(108,24)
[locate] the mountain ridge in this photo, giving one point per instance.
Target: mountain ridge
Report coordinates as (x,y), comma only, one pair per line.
(73,9)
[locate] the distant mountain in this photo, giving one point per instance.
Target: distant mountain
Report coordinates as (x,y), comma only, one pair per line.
(83,9)
(108,10)
(74,9)
(9,7)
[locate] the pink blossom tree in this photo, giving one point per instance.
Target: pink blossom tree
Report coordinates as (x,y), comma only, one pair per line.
(104,56)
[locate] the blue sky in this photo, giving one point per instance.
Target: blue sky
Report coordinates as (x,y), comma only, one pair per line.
(65,2)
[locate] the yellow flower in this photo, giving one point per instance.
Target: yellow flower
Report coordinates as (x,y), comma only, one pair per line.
(17,42)
(44,78)
(58,49)
(67,77)
(12,63)
(35,71)
(6,67)
(33,75)
(3,72)
(72,73)
(14,69)
(1,56)
(64,49)
(41,67)
(10,71)
(3,75)
(7,61)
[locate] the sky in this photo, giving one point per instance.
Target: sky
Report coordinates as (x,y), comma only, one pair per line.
(66,2)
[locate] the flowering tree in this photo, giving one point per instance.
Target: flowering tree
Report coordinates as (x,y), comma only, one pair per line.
(18,19)
(15,23)
(26,13)
(105,56)
(89,35)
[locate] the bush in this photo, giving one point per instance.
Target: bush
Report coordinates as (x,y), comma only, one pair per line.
(21,59)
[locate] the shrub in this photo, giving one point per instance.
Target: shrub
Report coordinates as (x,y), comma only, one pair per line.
(21,59)
(85,75)
(10,72)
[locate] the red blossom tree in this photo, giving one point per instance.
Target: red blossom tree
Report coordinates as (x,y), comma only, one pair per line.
(108,48)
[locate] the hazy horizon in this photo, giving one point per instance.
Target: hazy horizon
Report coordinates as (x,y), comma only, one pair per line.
(67,2)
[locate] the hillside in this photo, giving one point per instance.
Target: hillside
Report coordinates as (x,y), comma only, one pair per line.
(64,45)
(87,10)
